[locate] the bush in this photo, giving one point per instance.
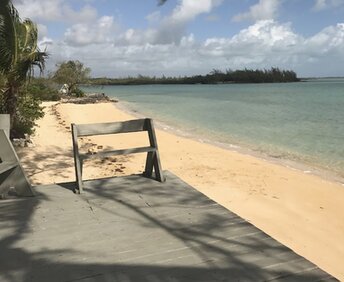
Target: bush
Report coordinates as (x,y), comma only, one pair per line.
(43,89)
(28,111)
(78,92)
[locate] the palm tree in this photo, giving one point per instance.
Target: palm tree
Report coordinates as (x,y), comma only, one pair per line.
(19,54)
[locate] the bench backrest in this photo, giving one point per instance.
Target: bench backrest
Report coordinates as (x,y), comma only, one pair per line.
(138,125)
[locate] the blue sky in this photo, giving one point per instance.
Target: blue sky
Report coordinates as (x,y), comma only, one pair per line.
(117,38)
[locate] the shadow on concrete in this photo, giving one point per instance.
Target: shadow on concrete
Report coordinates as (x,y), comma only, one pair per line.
(147,232)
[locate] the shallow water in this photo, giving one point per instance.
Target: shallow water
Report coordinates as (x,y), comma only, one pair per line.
(303,121)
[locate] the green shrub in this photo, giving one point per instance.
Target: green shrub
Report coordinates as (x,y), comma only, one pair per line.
(43,89)
(78,92)
(28,111)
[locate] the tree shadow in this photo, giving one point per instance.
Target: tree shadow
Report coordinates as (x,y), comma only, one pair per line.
(52,162)
(137,229)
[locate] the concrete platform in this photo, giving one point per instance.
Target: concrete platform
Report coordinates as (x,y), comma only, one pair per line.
(136,229)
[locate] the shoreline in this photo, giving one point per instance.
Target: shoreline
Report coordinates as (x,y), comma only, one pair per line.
(311,169)
(302,211)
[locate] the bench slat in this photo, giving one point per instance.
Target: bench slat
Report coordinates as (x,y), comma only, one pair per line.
(111,127)
(118,152)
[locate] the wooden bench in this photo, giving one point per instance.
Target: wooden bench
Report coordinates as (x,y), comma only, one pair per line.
(139,125)
(11,172)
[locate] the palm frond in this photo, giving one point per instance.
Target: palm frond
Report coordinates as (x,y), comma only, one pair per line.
(9,21)
(31,35)
(19,52)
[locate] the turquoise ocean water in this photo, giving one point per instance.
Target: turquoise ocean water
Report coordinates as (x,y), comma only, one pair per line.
(302,122)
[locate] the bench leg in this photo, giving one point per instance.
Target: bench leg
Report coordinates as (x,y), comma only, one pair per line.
(153,161)
(15,178)
(77,160)
(157,168)
(149,165)
(78,175)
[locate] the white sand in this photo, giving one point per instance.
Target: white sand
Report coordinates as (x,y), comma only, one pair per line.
(302,211)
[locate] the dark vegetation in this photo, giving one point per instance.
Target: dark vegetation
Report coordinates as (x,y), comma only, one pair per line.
(19,57)
(72,73)
(43,89)
(28,104)
(214,77)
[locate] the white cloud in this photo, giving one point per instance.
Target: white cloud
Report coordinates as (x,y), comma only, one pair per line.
(262,45)
(323,53)
(40,9)
(45,43)
(328,42)
(42,31)
(189,9)
(326,4)
(170,29)
(87,27)
(268,33)
(135,59)
(90,30)
(166,47)
(54,10)
(263,10)
(91,33)
(136,37)
(268,43)
(154,17)
(86,14)
(320,5)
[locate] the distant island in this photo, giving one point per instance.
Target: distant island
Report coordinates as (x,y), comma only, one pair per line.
(272,75)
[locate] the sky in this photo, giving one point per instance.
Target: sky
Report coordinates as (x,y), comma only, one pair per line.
(118,38)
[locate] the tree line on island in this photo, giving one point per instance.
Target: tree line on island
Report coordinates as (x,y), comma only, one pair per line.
(216,76)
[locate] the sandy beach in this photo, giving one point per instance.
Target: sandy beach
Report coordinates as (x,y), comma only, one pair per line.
(305,212)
